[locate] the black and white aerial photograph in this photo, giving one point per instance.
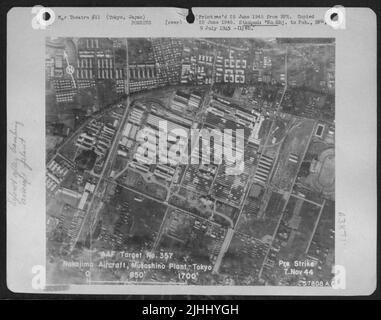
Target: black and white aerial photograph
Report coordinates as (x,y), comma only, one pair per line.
(191,161)
(191,153)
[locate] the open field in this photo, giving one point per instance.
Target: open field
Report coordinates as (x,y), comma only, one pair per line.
(263,227)
(294,144)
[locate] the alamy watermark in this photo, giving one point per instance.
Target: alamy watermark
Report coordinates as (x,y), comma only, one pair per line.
(194,146)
